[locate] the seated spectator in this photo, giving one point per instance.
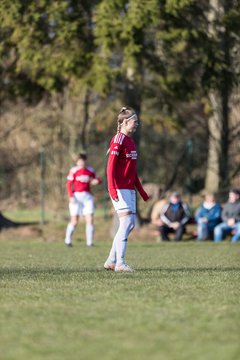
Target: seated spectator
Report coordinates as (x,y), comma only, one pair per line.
(174,215)
(207,217)
(230,218)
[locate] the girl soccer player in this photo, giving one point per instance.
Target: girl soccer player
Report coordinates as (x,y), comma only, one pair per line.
(80,198)
(122,182)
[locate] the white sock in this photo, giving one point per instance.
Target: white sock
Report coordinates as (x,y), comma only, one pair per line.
(89,234)
(69,231)
(119,246)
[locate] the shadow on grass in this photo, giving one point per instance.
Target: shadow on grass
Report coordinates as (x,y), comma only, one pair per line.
(6,223)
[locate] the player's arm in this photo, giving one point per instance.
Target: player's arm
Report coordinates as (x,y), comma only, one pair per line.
(95,180)
(140,189)
(187,214)
(225,213)
(199,213)
(163,216)
(111,169)
(69,184)
(217,213)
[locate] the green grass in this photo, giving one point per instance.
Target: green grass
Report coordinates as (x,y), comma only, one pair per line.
(182,302)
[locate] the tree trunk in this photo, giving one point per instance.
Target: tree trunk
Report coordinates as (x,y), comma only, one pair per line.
(132,98)
(217,176)
(212,180)
(82,136)
(226,89)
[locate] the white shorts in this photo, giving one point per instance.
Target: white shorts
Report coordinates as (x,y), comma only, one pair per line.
(83,205)
(126,202)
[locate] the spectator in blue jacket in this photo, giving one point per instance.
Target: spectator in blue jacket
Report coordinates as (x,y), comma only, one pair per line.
(207,217)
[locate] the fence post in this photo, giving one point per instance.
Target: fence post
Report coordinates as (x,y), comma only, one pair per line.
(42,184)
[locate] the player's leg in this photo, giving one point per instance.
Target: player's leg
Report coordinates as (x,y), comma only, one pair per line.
(164,230)
(121,238)
(70,230)
(75,211)
(220,231)
(202,230)
(236,236)
(89,229)
(179,233)
(116,258)
(126,208)
(88,211)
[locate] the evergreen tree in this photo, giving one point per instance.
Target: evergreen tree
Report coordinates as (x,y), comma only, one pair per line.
(199,42)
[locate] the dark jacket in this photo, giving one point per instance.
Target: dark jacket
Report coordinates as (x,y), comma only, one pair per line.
(171,214)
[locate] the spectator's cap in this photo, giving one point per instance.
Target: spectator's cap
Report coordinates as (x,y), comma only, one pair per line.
(235,191)
(175,194)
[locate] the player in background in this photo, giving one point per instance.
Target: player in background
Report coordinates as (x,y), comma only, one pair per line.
(81,201)
(122,184)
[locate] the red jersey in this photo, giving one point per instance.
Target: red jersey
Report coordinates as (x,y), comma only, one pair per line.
(122,166)
(78,179)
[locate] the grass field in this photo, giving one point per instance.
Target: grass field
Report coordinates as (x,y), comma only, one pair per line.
(183,302)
